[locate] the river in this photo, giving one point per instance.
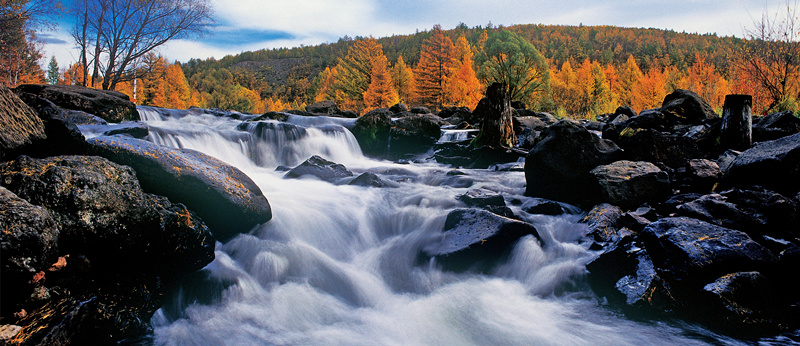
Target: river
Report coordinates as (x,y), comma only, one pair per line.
(338,264)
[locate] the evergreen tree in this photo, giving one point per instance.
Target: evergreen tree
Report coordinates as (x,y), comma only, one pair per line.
(514,62)
(52,71)
(434,68)
(354,73)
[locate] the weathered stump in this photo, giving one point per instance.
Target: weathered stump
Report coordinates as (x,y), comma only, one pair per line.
(497,127)
(737,122)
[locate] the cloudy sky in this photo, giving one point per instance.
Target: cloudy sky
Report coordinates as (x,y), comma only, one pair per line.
(245,25)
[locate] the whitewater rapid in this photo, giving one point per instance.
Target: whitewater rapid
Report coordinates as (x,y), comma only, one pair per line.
(339,264)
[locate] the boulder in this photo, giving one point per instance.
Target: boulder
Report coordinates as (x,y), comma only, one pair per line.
(372,132)
(625,110)
(369,179)
(725,160)
(112,106)
(658,147)
(475,239)
(320,168)
(130,129)
(19,125)
(626,275)
(415,133)
(463,112)
(228,200)
(631,183)
(691,253)
(63,137)
(541,206)
(420,110)
(741,297)
(687,107)
(774,165)
(324,107)
(463,154)
(82,118)
(702,175)
(776,125)
(558,166)
(487,200)
(398,108)
(528,122)
(602,222)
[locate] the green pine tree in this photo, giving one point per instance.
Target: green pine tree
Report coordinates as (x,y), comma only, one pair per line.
(52,71)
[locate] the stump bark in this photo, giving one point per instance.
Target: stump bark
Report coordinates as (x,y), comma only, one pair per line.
(737,122)
(497,128)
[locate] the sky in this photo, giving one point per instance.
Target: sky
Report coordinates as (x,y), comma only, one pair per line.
(249,25)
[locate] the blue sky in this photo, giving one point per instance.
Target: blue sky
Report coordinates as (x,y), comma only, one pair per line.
(246,25)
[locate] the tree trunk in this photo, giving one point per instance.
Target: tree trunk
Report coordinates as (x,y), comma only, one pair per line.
(497,128)
(737,122)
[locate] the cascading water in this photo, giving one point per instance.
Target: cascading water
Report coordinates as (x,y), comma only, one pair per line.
(338,264)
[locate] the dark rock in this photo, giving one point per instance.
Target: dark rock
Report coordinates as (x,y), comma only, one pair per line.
(112,106)
(528,122)
(688,107)
(228,200)
(508,167)
(558,166)
(420,110)
(658,147)
(476,239)
(482,198)
(348,114)
(690,253)
(63,137)
(372,131)
(324,107)
(463,154)
(322,169)
(670,206)
(547,118)
(542,207)
(279,116)
(741,297)
(776,125)
(518,105)
(83,118)
(463,112)
(400,107)
(19,126)
(415,133)
(625,110)
(638,219)
(774,165)
(593,125)
(702,175)
(131,129)
(630,184)
(602,222)
(368,179)
(725,160)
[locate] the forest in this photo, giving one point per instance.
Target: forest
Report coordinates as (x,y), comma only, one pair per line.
(570,71)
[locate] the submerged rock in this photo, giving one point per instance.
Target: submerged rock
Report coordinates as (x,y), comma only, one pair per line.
(228,200)
(475,239)
(369,179)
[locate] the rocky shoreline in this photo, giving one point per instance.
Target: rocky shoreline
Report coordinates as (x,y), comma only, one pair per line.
(681,223)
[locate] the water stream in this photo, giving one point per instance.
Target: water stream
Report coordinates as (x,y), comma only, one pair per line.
(337,265)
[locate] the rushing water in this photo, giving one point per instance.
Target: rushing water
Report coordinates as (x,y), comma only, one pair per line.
(338,264)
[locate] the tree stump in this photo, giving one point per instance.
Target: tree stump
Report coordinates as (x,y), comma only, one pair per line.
(737,122)
(497,128)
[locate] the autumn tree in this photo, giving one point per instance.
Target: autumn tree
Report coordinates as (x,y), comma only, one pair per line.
(434,68)
(116,33)
(771,55)
(20,51)
(650,91)
(464,89)
(354,73)
(403,79)
(564,86)
(628,76)
(705,81)
(381,92)
(510,60)
(73,75)
(325,85)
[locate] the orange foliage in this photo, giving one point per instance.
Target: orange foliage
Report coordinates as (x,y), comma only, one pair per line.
(464,89)
(404,81)
(434,68)
(651,90)
(381,92)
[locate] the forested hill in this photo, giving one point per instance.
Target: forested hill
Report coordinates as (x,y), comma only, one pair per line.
(291,77)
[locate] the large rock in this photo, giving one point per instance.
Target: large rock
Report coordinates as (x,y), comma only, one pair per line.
(688,107)
(19,126)
(558,166)
(776,125)
(228,200)
(741,297)
(117,246)
(658,147)
(630,184)
(324,107)
(112,106)
(464,154)
(774,165)
(692,253)
(321,168)
(63,136)
(372,132)
(476,239)
(626,275)
(415,133)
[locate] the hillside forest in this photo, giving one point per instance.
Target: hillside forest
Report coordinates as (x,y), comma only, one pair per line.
(571,71)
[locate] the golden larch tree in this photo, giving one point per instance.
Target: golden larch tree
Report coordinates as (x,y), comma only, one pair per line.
(404,82)
(354,73)
(381,92)
(434,68)
(651,90)
(628,76)
(464,88)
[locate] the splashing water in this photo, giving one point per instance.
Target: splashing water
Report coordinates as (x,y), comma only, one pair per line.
(338,264)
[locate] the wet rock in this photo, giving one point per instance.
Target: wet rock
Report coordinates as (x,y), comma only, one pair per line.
(602,222)
(690,253)
(630,184)
(112,106)
(82,118)
(725,160)
(228,200)
(475,239)
(461,112)
(131,129)
(656,146)
(19,125)
(625,110)
(542,206)
(558,166)
(400,107)
(420,110)
(780,158)
(372,132)
(324,107)
(463,154)
(701,175)
(63,137)
(415,133)
(368,179)
(529,122)
(279,116)
(322,169)
(487,200)
(741,297)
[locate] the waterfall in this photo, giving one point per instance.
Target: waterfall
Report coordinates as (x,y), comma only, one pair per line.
(338,264)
